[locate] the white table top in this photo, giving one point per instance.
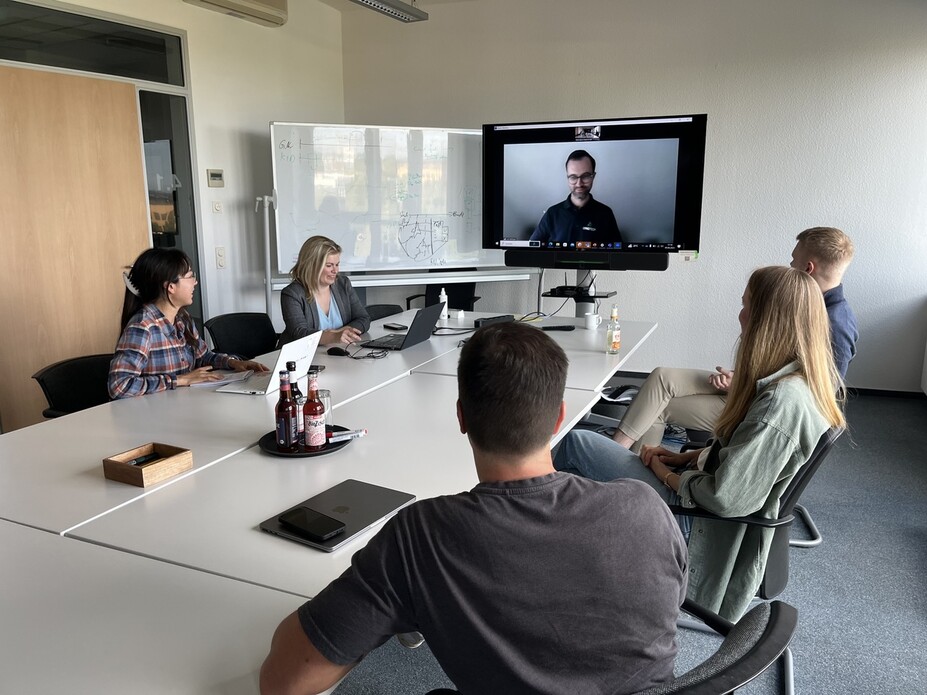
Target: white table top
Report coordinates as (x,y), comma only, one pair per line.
(349,379)
(210,521)
(51,474)
(590,366)
(78,618)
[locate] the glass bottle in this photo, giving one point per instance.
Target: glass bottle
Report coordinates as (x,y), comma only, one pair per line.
(287,432)
(613,333)
(298,397)
(314,416)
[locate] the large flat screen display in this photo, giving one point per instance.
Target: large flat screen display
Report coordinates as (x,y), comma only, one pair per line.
(608,194)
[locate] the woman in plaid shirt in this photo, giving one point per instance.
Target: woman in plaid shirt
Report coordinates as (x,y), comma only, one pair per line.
(160,347)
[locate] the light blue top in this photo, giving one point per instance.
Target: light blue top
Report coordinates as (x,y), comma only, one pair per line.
(332,320)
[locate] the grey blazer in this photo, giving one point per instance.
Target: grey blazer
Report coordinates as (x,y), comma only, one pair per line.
(301,315)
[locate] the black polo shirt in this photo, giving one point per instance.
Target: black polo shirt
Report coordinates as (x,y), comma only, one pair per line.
(564,222)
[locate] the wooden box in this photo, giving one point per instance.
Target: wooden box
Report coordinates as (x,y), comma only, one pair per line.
(172,460)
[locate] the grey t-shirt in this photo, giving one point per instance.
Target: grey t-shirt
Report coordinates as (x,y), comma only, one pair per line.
(547,585)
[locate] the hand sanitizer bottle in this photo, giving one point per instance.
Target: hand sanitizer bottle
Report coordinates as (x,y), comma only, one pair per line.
(443,298)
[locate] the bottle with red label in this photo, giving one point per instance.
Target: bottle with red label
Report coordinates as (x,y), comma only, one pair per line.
(314,416)
(299,398)
(286,413)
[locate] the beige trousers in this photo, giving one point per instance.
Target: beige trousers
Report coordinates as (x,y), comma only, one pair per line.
(677,396)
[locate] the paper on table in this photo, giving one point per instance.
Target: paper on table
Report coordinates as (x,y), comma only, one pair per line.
(227,378)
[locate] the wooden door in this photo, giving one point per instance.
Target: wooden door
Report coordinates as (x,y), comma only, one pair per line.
(73,197)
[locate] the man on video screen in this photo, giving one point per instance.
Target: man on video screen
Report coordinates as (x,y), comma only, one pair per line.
(580,218)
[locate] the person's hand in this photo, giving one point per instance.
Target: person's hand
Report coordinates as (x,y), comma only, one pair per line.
(243,365)
(658,458)
(197,376)
(346,335)
(721,380)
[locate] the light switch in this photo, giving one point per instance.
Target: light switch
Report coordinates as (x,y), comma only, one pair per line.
(220,257)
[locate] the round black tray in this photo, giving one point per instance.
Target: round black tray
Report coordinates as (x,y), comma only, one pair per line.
(268,444)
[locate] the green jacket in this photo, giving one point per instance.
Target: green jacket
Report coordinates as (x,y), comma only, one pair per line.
(742,476)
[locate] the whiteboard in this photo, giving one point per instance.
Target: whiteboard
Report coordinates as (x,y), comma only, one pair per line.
(392,198)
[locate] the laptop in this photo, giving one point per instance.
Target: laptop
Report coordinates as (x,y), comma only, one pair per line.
(299,351)
(359,505)
(420,331)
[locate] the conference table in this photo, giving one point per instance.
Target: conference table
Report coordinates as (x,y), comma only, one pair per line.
(201,527)
(81,619)
(51,474)
(210,521)
(590,366)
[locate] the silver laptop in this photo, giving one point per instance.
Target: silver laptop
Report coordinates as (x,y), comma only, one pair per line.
(299,351)
(359,505)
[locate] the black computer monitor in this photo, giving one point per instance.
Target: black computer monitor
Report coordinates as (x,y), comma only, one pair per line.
(647,171)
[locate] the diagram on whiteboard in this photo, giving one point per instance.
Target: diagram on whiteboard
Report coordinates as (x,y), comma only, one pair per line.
(422,236)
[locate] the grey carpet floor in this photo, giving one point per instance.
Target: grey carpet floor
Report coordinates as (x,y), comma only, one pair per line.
(861,595)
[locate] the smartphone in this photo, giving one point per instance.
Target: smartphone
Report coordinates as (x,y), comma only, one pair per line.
(311,524)
(395,326)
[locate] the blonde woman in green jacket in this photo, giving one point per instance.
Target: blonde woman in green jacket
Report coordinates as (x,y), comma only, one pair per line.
(785,394)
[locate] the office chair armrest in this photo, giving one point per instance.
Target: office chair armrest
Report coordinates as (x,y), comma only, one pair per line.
(410,298)
(720,625)
(752,520)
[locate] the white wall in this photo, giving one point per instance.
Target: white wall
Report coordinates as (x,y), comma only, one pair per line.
(816,114)
(244,75)
(816,117)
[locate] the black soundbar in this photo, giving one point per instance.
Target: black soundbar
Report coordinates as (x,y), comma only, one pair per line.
(586,260)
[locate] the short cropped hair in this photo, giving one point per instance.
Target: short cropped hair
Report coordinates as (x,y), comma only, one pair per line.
(577,155)
(829,246)
(510,382)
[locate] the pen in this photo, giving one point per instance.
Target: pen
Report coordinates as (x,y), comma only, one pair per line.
(334,437)
(142,460)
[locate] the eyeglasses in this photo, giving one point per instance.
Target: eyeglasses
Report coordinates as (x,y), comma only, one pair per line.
(585,178)
(189,276)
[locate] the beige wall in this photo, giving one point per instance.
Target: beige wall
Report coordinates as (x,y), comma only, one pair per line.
(816,116)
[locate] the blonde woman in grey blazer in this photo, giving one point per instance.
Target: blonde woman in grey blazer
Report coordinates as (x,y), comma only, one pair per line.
(319,299)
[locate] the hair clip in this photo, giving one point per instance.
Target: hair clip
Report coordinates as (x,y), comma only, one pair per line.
(129,285)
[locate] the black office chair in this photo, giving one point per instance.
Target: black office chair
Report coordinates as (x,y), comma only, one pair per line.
(381,311)
(776,572)
(244,335)
(74,384)
(750,647)
(460,295)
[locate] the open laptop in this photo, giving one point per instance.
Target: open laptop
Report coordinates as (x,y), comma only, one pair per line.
(359,505)
(420,331)
(299,351)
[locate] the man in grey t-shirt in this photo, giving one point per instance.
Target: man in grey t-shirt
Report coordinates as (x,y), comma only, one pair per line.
(535,581)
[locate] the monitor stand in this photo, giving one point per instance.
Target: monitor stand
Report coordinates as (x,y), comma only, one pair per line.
(585,300)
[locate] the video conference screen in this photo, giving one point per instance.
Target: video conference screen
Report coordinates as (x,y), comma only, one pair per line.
(626,185)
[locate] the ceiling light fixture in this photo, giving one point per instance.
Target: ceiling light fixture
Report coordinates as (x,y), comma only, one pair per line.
(396,9)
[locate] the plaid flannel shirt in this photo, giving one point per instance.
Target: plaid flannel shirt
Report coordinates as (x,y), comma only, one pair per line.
(151,352)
